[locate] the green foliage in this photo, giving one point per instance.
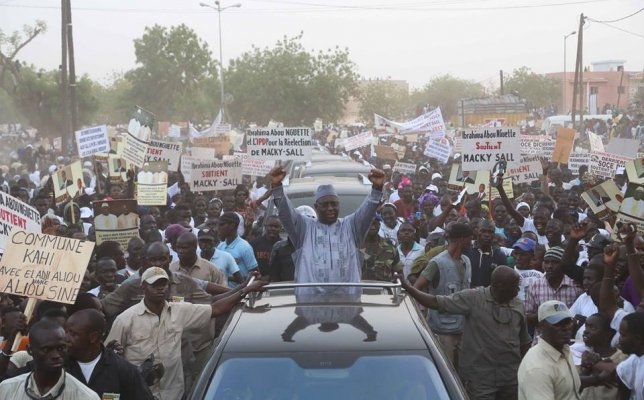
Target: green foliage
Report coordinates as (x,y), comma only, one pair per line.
(175,77)
(383,97)
(289,84)
(445,91)
(539,90)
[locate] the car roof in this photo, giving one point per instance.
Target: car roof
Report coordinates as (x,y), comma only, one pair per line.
(342,185)
(277,310)
(329,167)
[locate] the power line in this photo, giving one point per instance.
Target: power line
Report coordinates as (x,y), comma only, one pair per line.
(620,29)
(620,19)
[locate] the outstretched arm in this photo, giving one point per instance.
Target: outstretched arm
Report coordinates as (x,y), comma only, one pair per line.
(516,216)
(294,223)
(361,219)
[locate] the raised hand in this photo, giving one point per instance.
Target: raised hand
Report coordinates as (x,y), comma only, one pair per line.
(377,178)
(277,175)
(579,231)
(611,253)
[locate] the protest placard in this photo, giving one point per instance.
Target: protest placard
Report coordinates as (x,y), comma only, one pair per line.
(134,150)
(222,129)
(152,184)
(279,143)
(118,168)
(431,123)
(174,131)
(596,143)
(624,147)
(400,149)
(529,170)
(116,220)
(404,168)
(221,144)
(541,145)
(386,152)
(57,143)
(139,132)
(256,167)
(360,140)
(633,204)
(603,199)
(438,149)
(92,140)
(203,153)
(483,148)
(67,181)
(605,164)
(186,166)
(209,175)
(576,160)
(563,145)
(635,170)
(169,152)
(44,267)
(15,213)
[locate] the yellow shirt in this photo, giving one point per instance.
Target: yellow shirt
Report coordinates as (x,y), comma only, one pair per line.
(547,373)
(143,333)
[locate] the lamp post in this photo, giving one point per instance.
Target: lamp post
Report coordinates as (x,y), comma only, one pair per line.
(217,7)
(563,100)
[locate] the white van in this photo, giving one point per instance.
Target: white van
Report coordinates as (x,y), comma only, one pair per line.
(556,121)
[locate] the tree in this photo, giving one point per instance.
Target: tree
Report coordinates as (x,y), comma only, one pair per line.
(175,77)
(539,90)
(445,91)
(289,84)
(116,105)
(35,94)
(383,97)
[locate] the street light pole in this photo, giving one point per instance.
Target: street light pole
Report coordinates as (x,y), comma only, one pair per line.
(219,9)
(563,100)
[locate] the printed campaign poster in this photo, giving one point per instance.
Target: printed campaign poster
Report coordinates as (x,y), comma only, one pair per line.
(624,147)
(44,267)
(152,184)
(256,167)
(603,199)
(438,149)
(563,145)
(117,168)
(279,143)
(92,140)
(67,181)
(404,168)
(635,171)
(483,148)
(632,208)
(360,140)
(576,160)
(169,152)
(16,214)
(139,132)
(477,183)
(203,153)
(210,175)
(186,166)
(596,144)
(528,171)
(534,144)
(220,144)
(605,164)
(57,143)
(116,220)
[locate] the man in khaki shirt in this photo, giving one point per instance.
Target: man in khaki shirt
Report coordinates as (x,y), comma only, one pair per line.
(547,371)
(191,264)
(154,327)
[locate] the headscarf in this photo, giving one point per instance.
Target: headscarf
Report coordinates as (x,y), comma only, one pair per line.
(428,197)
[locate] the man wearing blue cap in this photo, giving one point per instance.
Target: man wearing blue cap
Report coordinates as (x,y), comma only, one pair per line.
(547,371)
(327,249)
(523,252)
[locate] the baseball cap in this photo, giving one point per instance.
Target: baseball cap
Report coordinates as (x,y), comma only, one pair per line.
(553,312)
(153,274)
(525,244)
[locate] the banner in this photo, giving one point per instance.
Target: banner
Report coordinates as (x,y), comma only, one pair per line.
(635,170)
(624,147)
(16,214)
(541,145)
(116,220)
(44,267)
(596,143)
(563,145)
(361,140)
(92,140)
(209,175)
(605,164)
(576,160)
(430,123)
(483,148)
(221,144)
(439,150)
(164,151)
(279,143)
(405,168)
(68,181)
(529,170)
(603,199)
(134,150)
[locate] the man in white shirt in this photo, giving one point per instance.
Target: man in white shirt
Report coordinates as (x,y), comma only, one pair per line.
(105,221)
(127,219)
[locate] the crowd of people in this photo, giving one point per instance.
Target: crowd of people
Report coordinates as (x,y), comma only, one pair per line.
(532,297)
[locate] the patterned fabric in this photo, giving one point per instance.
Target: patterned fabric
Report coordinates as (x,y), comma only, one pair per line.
(380,261)
(540,291)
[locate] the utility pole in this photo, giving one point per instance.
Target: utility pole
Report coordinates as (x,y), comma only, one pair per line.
(620,87)
(578,68)
(63,78)
(501,77)
(72,70)
(581,73)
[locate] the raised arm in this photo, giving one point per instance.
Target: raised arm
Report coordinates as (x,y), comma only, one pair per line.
(361,219)
(569,259)
(294,223)
(633,258)
(607,300)
(516,216)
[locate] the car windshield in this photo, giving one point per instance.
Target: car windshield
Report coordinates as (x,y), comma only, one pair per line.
(314,376)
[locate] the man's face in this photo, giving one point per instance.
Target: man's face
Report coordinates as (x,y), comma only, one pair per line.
(273,229)
(589,279)
(119,258)
(522,257)
(373,229)
(552,268)
(225,229)
(406,234)
(554,229)
(465,243)
(50,351)
(507,291)
(389,216)
(328,209)
(240,197)
(186,250)
(155,292)
(500,215)
(78,337)
(573,200)
(200,206)
(184,216)
(105,210)
(628,342)
(135,254)
(148,223)
(106,274)
(529,198)
(485,236)
(559,333)
(157,257)
(207,245)
(540,220)
(42,205)
(229,203)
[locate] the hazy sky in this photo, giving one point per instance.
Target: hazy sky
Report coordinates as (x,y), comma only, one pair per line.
(401,39)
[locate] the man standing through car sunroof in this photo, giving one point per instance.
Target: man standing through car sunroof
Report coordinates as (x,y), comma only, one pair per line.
(327,249)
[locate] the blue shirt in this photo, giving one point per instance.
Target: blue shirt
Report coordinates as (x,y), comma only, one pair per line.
(226,264)
(243,254)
